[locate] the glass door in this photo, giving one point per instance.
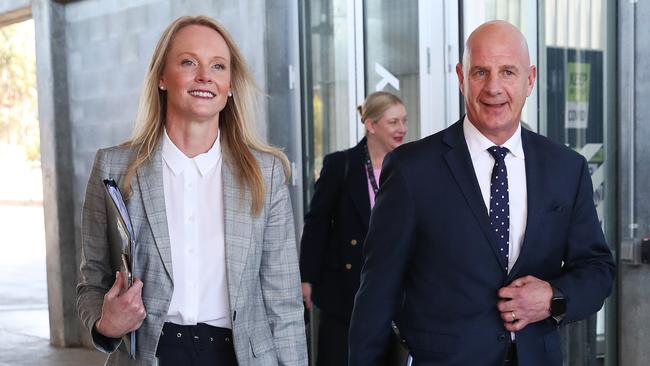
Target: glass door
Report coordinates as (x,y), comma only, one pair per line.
(328,84)
(353,48)
(577,109)
(327,81)
(410,48)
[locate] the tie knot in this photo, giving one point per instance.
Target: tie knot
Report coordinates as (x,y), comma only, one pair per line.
(498,152)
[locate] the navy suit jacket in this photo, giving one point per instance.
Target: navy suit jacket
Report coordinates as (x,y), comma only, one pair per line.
(431,261)
(334,232)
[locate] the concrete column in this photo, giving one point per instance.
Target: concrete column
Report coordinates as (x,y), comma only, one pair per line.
(58,171)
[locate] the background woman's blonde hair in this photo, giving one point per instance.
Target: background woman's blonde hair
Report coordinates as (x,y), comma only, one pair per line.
(236,120)
(376,104)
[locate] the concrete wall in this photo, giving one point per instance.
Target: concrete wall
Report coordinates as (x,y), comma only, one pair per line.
(91,60)
(109,44)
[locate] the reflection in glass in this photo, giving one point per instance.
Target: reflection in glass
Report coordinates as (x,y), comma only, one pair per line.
(327,121)
(512,11)
(575,105)
(391,54)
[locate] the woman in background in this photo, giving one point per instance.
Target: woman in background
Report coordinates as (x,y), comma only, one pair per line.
(337,222)
(216,262)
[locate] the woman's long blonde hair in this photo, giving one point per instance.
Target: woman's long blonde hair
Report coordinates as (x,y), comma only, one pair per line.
(236,120)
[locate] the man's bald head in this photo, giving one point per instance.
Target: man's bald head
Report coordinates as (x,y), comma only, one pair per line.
(495,30)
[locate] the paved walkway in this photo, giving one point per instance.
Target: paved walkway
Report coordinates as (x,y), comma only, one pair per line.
(24,322)
(17,349)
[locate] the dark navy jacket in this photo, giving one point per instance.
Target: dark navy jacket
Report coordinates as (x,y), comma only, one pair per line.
(431,261)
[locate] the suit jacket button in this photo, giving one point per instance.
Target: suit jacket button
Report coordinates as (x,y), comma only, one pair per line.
(502,337)
(348,266)
(353,241)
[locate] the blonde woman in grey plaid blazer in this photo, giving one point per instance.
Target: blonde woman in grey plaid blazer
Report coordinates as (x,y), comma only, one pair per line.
(217,279)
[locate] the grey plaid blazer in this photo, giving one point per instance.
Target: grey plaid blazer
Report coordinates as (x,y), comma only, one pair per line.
(261,262)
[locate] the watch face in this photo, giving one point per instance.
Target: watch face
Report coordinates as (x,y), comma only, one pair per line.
(558,306)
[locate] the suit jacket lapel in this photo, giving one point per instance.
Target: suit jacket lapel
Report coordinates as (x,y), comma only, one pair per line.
(358,183)
(150,180)
(238,228)
(460,164)
(534,190)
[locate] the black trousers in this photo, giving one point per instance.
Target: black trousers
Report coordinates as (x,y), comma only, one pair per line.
(333,344)
(195,345)
(332,341)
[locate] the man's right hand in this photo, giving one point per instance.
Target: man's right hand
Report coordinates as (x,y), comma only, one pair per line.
(306,294)
(122,311)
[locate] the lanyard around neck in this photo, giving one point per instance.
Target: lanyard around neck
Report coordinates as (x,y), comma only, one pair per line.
(369,170)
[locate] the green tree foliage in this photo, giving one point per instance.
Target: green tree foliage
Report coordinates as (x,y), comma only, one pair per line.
(18,98)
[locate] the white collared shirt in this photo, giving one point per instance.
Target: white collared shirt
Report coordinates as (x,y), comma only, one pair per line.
(193,190)
(483,163)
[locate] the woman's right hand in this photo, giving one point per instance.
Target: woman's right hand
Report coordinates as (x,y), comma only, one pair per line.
(122,311)
(306,294)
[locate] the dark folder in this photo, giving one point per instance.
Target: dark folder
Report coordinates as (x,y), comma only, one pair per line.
(122,241)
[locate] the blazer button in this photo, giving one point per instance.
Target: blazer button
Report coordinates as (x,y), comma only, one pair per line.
(353,241)
(348,266)
(502,337)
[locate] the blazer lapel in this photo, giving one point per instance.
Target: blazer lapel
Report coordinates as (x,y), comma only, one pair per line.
(238,228)
(150,180)
(460,164)
(358,183)
(534,190)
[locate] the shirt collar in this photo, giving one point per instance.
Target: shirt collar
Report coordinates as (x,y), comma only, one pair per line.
(477,142)
(177,161)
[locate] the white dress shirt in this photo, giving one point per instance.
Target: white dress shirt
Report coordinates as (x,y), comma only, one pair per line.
(483,163)
(194,204)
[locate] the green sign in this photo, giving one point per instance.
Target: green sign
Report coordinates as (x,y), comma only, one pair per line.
(578,78)
(577,95)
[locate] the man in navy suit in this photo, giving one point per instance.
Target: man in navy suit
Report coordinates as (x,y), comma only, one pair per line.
(484,237)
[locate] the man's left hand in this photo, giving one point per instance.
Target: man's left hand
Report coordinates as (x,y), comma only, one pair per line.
(526,300)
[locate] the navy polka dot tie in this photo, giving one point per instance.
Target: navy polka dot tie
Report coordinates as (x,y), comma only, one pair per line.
(499,201)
